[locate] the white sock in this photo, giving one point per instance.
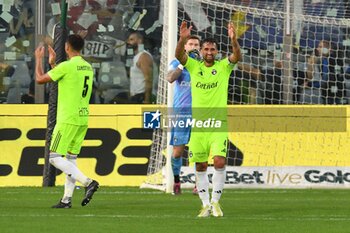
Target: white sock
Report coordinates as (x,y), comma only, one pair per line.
(69,169)
(218,180)
(69,185)
(203,187)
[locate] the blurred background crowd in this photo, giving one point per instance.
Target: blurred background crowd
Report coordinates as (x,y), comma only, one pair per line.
(118,32)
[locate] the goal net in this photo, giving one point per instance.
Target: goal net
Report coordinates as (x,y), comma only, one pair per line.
(293,52)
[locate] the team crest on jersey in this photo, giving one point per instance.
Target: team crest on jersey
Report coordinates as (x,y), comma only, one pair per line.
(214,71)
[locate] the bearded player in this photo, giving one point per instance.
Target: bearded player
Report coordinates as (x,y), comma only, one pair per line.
(209,86)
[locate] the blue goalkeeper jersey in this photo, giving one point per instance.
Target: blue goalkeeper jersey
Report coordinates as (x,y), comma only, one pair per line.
(182,90)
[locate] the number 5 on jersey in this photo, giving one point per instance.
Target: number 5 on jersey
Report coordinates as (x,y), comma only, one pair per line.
(86,87)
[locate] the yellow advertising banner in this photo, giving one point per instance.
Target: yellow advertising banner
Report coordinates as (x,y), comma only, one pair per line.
(291,135)
(116,148)
(115,151)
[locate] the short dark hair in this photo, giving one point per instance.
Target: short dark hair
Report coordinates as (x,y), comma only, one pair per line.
(193,37)
(137,33)
(210,41)
(76,41)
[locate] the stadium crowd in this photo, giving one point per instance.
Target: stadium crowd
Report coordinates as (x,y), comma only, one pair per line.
(321,69)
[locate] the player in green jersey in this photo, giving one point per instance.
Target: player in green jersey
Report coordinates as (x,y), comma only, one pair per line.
(74,77)
(209,86)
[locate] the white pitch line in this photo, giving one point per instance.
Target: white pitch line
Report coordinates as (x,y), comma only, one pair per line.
(255,218)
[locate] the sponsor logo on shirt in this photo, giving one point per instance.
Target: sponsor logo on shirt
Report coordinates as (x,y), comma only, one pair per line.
(83,111)
(206,86)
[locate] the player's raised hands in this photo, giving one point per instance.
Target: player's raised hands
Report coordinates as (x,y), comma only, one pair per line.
(52,55)
(39,51)
(231,31)
(185,31)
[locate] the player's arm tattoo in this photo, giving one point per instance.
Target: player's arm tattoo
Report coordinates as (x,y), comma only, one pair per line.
(174,74)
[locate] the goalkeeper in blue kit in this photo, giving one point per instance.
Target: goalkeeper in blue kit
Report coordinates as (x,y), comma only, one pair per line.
(181,107)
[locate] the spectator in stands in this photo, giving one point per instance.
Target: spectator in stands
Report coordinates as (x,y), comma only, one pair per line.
(6,71)
(100,13)
(324,80)
(243,82)
(21,25)
(16,24)
(141,70)
(29,98)
(270,77)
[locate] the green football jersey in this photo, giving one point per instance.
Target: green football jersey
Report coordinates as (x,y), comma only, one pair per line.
(209,86)
(75,78)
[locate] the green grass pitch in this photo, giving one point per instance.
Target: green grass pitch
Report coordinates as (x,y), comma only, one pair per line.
(121,209)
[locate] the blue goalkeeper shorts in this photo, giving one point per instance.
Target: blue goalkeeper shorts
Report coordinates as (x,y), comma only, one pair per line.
(180,136)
